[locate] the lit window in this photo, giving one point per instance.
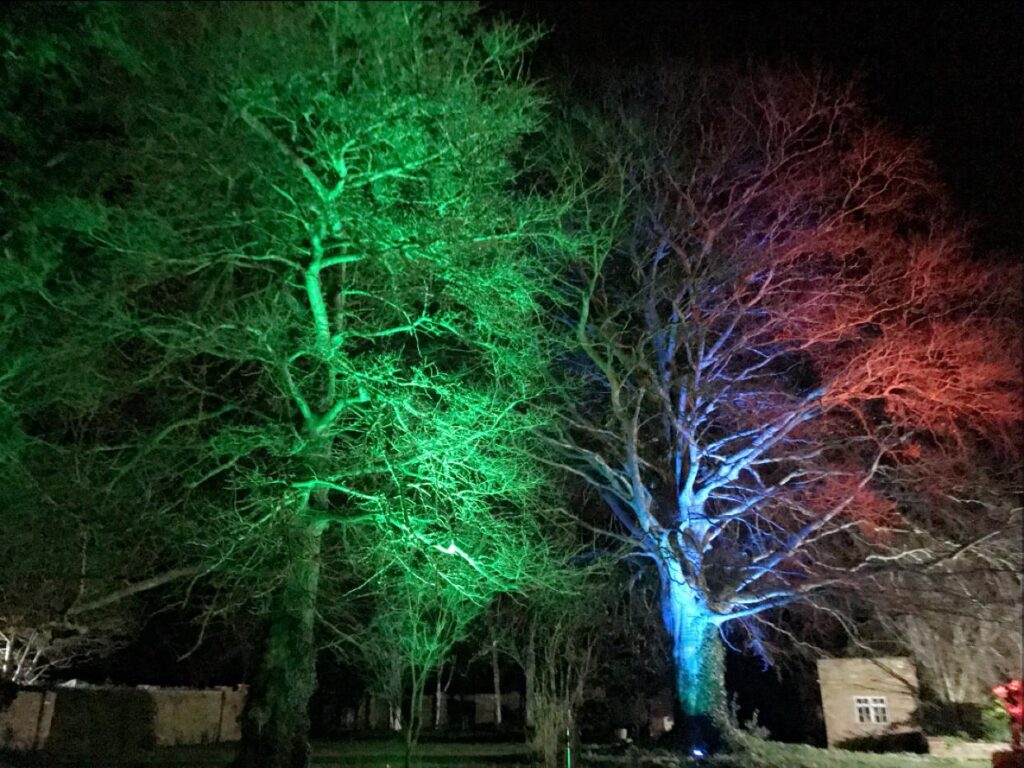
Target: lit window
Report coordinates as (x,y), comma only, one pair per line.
(871,709)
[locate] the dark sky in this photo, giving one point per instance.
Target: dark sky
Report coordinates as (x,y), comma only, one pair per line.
(951,73)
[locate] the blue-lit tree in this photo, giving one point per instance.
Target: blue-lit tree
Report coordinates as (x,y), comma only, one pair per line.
(782,313)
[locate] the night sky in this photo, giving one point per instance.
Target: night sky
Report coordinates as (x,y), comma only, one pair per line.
(951,74)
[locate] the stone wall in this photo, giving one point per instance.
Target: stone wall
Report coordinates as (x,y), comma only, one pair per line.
(232,704)
(185,716)
(97,721)
(843,680)
(25,721)
(963,750)
(458,711)
(483,706)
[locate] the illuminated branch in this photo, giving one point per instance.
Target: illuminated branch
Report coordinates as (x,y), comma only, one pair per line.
(133,589)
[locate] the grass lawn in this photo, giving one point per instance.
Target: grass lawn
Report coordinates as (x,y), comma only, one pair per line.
(758,753)
(766,754)
(350,754)
(375,754)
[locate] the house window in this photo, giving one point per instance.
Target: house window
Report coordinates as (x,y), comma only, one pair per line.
(871,709)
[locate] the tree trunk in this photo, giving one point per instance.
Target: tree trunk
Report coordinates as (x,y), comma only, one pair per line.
(418,683)
(530,673)
(699,659)
(8,650)
(440,702)
(496,676)
(275,725)
(412,727)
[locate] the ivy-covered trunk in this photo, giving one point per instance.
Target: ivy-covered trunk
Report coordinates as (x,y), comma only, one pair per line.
(275,724)
(699,658)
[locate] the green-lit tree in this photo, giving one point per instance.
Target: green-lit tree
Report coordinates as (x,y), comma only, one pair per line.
(73,550)
(415,623)
(309,252)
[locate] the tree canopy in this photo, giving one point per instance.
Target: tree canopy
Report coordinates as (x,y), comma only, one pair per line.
(302,289)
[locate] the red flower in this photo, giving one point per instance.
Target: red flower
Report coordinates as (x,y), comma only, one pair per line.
(1010,694)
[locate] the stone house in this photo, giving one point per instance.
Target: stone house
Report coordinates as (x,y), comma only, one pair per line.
(868,698)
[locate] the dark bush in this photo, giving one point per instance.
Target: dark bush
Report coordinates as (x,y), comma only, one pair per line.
(947,719)
(907,741)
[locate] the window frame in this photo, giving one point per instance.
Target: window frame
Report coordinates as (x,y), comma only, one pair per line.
(871,710)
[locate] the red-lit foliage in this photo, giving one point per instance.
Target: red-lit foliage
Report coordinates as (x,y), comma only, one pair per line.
(1012,696)
(847,254)
(793,316)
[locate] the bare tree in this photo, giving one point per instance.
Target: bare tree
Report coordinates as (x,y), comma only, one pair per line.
(555,636)
(960,616)
(415,623)
(778,309)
